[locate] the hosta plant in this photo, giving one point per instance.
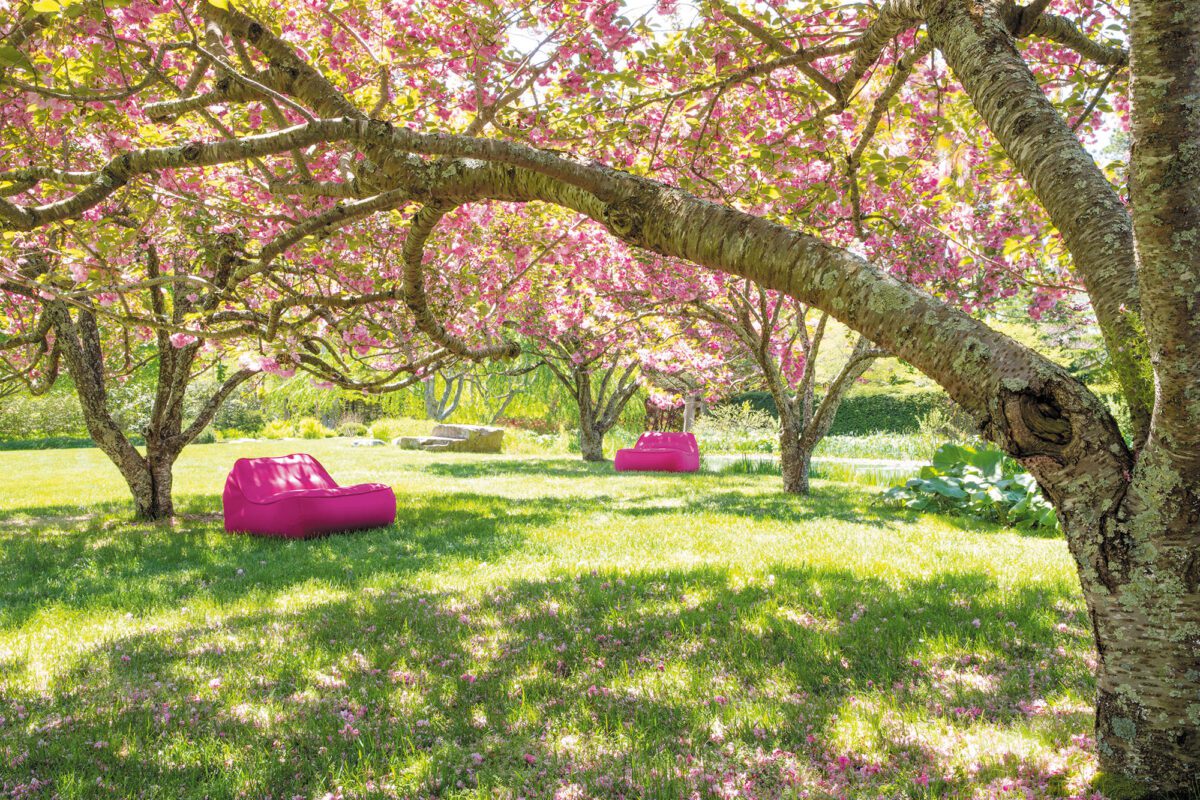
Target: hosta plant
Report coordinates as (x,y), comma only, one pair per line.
(978,481)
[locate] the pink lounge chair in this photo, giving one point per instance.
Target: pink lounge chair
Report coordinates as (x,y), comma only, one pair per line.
(660,452)
(294,497)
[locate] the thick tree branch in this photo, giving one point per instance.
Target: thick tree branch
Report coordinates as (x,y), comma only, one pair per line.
(415,298)
(1099,234)
(1061,30)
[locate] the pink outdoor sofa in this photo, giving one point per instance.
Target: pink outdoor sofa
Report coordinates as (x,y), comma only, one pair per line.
(294,497)
(660,452)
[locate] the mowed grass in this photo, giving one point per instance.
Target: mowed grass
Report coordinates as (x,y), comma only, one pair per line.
(535,628)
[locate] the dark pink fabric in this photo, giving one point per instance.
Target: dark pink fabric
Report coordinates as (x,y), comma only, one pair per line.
(294,497)
(659,451)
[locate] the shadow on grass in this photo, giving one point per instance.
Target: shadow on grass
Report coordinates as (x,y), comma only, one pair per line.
(617,682)
(55,556)
(827,502)
(70,557)
(963,522)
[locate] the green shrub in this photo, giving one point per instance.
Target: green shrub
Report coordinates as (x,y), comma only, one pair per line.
(757,401)
(748,466)
(54,415)
(277,429)
(352,429)
(518,441)
(979,482)
(242,410)
(737,428)
(862,412)
(531,424)
(873,476)
(311,428)
(616,439)
(206,436)
(868,412)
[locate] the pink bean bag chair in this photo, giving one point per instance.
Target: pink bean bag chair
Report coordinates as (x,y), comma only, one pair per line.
(660,452)
(294,497)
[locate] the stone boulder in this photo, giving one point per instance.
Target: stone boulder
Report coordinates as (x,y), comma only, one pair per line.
(456,439)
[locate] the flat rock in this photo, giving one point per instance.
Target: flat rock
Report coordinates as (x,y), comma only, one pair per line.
(464,431)
(456,439)
(368,443)
(424,442)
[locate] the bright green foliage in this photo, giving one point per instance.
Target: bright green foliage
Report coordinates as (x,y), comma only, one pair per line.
(980,482)
(277,429)
(311,428)
(353,429)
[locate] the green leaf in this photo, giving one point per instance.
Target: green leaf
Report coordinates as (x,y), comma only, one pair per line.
(1026,480)
(946,489)
(219,4)
(989,461)
(12,57)
(47,6)
(950,455)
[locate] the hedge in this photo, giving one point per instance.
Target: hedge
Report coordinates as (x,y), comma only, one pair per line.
(866,412)
(892,413)
(57,442)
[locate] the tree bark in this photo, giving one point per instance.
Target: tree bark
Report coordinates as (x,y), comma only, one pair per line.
(440,409)
(1146,611)
(148,476)
(794,459)
(976,42)
(591,440)
(156,502)
(1139,566)
(1148,704)
(600,406)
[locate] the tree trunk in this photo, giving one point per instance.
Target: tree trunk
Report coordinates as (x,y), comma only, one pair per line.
(689,413)
(1146,608)
(1132,529)
(591,440)
(1148,706)
(793,458)
(152,497)
(154,502)
(440,409)
(1144,602)
(975,41)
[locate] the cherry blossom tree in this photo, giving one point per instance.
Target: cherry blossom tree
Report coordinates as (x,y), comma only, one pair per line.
(890,165)
(778,339)
(573,296)
(67,326)
(600,381)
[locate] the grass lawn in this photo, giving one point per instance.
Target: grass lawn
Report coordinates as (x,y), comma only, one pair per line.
(530,628)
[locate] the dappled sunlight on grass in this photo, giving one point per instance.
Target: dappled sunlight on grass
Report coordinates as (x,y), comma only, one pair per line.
(528,628)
